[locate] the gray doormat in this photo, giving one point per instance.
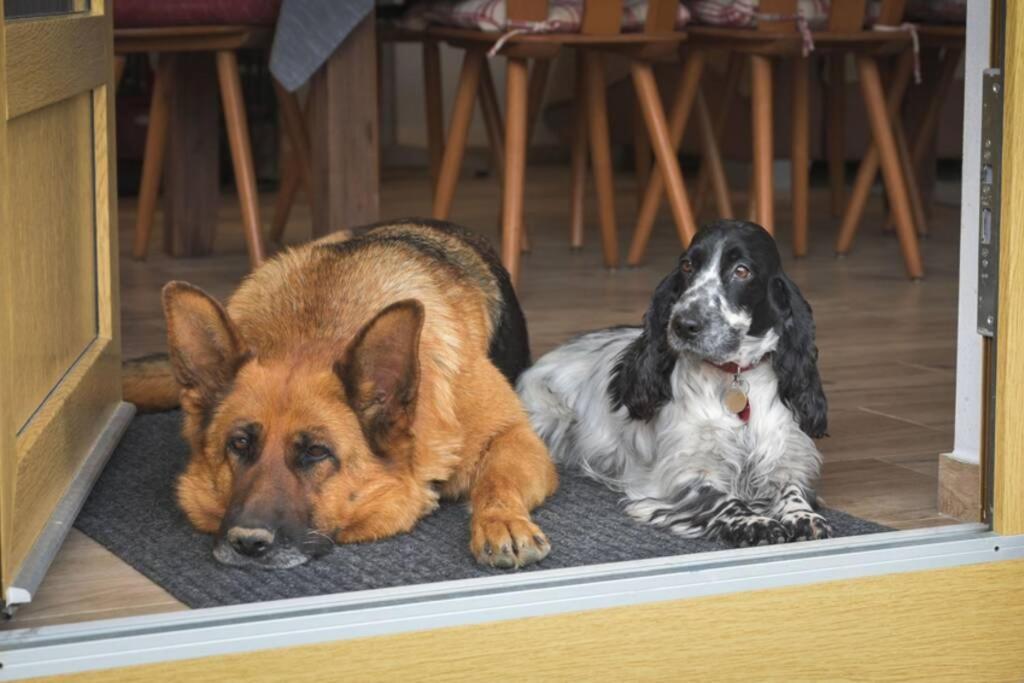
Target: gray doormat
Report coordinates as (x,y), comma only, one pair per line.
(132,512)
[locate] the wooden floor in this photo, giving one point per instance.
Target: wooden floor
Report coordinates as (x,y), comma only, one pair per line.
(887,348)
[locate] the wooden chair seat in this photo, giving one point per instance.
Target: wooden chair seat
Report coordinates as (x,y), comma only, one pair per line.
(932,35)
(546,45)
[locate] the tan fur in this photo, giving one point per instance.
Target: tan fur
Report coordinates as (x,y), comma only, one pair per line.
(286,330)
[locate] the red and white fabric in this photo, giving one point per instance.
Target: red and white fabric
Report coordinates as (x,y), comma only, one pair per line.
(161,13)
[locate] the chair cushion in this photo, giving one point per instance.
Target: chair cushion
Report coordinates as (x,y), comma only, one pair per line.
(564,16)
(743,13)
(160,13)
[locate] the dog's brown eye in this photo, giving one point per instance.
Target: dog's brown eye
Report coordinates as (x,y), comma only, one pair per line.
(742,272)
(239,444)
(686,266)
(314,454)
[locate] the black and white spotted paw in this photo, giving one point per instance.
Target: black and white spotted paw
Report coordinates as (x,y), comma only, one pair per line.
(807,526)
(746,531)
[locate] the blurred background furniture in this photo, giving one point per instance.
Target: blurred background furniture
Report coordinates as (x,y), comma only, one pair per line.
(341,116)
(190,37)
(598,31)
(780,31)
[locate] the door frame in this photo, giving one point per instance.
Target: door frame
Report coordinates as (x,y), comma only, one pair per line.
(86,401)
(866,607)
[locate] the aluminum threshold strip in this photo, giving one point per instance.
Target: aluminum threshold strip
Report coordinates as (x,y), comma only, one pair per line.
(303,621)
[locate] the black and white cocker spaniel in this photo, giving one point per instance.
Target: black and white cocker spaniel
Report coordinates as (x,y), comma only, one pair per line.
(704,417)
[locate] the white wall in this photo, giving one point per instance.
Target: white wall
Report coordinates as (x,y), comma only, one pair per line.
(967,438)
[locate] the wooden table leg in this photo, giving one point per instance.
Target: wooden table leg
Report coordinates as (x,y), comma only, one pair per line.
(344,134)
(192,175)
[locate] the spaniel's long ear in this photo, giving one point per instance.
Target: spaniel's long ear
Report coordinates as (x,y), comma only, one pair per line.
(640,380)
(796,358)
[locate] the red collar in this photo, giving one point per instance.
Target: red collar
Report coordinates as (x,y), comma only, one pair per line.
(733,368)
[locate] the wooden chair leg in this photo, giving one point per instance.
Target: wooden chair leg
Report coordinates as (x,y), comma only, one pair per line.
(433,107)
(868,169)
(153,157)
(924,136)
(712,157)
(800,154)
(761,116)
(299,163)
(641,152)
(537,88)
(516,82)
(665,152)
(578,163)
(665,143)
(495,132)
(836,130)
(730,88)
(909,177)
(881,129)
(601,155)
(535,102)
(458,130)
(241,153)
(119,63)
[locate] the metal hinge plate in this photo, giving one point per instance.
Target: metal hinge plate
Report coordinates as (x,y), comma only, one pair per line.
(988,214)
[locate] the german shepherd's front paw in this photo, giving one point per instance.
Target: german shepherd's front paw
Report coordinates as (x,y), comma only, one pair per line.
(506,541)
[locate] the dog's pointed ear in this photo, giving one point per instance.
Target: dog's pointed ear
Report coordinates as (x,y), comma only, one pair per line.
(641,379)
(795,360)
(205,347)
(380,372)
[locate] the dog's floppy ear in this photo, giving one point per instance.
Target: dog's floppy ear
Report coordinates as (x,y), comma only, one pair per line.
(641,377)
(796,358)
(205,347)
(381,371)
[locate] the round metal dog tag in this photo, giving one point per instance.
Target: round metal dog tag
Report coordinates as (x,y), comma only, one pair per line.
(735,396)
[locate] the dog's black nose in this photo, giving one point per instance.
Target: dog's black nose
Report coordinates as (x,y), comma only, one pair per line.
(685,327)
(250,542)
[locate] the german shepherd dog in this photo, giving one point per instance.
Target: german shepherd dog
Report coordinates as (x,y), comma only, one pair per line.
(347,386)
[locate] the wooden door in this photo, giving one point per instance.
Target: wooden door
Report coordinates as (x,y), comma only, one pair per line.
(60,399)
